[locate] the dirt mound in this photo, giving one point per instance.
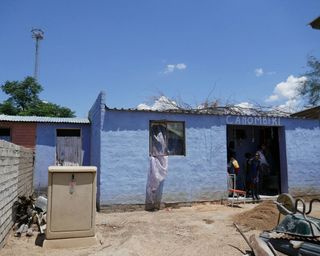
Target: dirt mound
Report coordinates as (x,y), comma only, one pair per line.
(262,217)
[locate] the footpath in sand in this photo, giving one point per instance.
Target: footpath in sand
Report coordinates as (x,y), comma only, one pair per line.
(203,229)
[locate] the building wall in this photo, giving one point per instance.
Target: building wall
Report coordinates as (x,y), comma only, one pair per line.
(16,173)
(45,152)
(299,142)
(23,134)
(120,150)
(303,157)
(200,175)
(96,115)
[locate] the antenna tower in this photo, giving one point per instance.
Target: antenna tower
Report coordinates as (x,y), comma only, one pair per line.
(37,34)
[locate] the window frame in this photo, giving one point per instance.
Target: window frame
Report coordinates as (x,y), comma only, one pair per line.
(165,123)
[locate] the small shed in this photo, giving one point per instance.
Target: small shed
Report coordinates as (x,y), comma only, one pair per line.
(61,142)
(55,141)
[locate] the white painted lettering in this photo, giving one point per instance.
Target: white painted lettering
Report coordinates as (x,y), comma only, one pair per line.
(228,121)
(250,120)
(274,121)
(257,120)
(264,120)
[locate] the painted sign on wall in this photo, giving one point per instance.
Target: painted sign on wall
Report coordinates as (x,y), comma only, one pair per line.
(253,120)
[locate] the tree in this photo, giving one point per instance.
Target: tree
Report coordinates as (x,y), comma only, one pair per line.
(24,100)
(311,87)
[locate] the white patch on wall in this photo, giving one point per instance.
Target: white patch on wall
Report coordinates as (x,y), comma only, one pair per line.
(303,158)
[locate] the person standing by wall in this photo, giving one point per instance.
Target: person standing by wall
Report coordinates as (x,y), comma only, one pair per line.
(264,168)
(247,174)
(235,175)
(255,173)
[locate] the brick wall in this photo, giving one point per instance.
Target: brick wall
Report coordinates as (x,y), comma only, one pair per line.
(23,134)
(16,175)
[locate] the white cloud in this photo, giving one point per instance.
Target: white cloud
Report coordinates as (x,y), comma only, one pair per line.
(286,94)
(287,90)
(181,66)
(245,105)
(162,103)
(273,97)
(259,72)
(172,67)
(169,68)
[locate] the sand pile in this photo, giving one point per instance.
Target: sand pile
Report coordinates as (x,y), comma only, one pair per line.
(262,217)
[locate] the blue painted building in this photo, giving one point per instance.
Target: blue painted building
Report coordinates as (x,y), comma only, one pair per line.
(59,141)
(121,145)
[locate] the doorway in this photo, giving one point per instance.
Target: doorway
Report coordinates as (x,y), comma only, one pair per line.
(68,147)
(243,142)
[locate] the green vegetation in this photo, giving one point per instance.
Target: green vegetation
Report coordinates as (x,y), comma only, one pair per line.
(24,100)
(311,87)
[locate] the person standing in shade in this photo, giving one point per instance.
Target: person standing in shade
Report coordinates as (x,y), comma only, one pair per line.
(255,173)
(264,168)
(247,174)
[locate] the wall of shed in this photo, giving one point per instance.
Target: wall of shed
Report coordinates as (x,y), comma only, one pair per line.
(16,175)
(22,133)
(198,176)
(201,174)
(46,149)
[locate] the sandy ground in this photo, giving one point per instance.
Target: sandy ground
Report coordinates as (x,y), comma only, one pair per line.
(204,229)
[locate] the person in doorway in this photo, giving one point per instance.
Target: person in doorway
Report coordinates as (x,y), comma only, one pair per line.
(234,169)
(247,174)
(255,173)
(231,150)
(264,167)
(231,176)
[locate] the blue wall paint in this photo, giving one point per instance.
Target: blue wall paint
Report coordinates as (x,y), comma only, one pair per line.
(46,149)
(200,175)
(303,157)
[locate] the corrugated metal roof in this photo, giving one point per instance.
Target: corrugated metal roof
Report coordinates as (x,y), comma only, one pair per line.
(312,113)
(44,119)
(217,111)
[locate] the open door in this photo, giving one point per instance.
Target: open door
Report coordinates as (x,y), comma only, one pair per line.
(243,141)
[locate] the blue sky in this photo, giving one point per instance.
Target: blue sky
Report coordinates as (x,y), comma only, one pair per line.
(235,51)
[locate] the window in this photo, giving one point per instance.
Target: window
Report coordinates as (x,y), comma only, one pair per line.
(167,138)
(5,134)
(68,132)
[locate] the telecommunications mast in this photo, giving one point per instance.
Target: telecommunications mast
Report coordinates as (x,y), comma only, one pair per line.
(37,34)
